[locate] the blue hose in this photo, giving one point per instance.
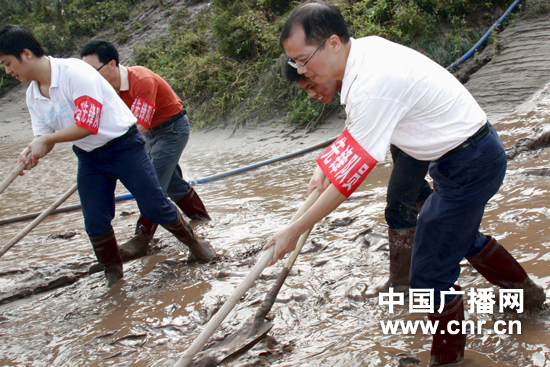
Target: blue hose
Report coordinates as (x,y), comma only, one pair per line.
(247,168)
(487,34)
(263,163)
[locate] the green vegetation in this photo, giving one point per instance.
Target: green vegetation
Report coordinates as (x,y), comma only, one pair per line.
(224,59)
(59,24)
(535,8)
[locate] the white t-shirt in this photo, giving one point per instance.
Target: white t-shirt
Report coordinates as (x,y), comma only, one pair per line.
(396,95)
(73,80)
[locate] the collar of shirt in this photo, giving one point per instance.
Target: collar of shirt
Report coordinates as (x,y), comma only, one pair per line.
(124,82)
(54,67)
(353,65)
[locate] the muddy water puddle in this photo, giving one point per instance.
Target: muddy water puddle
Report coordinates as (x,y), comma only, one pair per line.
(322,316)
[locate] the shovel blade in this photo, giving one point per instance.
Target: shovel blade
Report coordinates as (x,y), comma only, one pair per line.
(232,345)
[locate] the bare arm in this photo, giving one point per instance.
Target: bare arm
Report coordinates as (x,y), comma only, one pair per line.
(316,181)
(285,240)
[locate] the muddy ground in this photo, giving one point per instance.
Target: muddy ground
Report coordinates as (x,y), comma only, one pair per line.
(322,316)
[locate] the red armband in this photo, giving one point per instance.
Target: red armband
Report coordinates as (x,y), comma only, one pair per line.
(87,113)
(346,163)
(143,111)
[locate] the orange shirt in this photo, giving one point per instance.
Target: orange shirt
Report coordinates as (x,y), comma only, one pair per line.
(149,96)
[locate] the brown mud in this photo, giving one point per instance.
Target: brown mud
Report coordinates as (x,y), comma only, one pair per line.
(322,316)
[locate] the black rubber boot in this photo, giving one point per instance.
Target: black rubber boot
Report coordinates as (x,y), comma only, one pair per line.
(401,243)
(106,251)
(448,348)
(193,206)
(499,267)
(137,245)
(198,248)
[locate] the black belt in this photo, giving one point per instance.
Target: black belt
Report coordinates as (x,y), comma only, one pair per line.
(131,131)
(476,137)
(170,121)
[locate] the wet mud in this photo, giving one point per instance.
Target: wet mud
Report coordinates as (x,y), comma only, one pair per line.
(56,310)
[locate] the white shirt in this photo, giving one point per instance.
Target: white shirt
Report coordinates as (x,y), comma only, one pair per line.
(71,79)
(396,95)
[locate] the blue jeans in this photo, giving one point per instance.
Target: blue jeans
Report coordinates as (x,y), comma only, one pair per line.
(407,185)
(165,147)
(448,225)
(125,160)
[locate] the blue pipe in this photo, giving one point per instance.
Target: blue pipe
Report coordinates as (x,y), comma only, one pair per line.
(247,168)
(266,162)
(487,34)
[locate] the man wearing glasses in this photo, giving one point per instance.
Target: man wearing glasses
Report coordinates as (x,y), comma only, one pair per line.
(164,123)
(407,191)
(395,95)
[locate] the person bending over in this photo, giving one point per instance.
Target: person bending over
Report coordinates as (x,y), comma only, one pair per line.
(164,123)
(407,192)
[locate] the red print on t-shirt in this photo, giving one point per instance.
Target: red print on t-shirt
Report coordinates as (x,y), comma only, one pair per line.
(87,113)
(346,163)
(143,111)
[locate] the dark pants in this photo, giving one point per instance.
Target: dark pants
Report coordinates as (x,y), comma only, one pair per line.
(448,226)
(125,160)
(165,146)
(407,185)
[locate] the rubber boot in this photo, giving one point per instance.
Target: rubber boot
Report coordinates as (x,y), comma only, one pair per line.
(401,243)
(198,248)
(106,251)
(499,267)
(448,348)
(137,245)
(193,206)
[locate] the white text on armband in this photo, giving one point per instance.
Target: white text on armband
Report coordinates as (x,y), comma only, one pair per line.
(346,163)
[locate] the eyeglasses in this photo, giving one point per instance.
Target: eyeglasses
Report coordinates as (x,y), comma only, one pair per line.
(98,69)
(297,65)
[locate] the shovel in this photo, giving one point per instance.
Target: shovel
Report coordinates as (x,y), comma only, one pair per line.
(253,330)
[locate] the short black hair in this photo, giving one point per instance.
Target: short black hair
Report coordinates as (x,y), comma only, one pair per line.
(291,73)
(16,38)
(104,50)
(319,20)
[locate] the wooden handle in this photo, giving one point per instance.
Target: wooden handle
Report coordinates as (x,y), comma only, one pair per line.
(35,222)
(302,240)
(12,176)
(222,313)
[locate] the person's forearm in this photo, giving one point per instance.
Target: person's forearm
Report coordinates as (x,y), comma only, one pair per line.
(70,133)
(329,200)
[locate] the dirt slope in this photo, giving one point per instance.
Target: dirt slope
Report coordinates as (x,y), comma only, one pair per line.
(520,69)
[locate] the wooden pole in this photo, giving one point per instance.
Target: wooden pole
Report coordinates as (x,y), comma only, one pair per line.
(237,294)
(35,222)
